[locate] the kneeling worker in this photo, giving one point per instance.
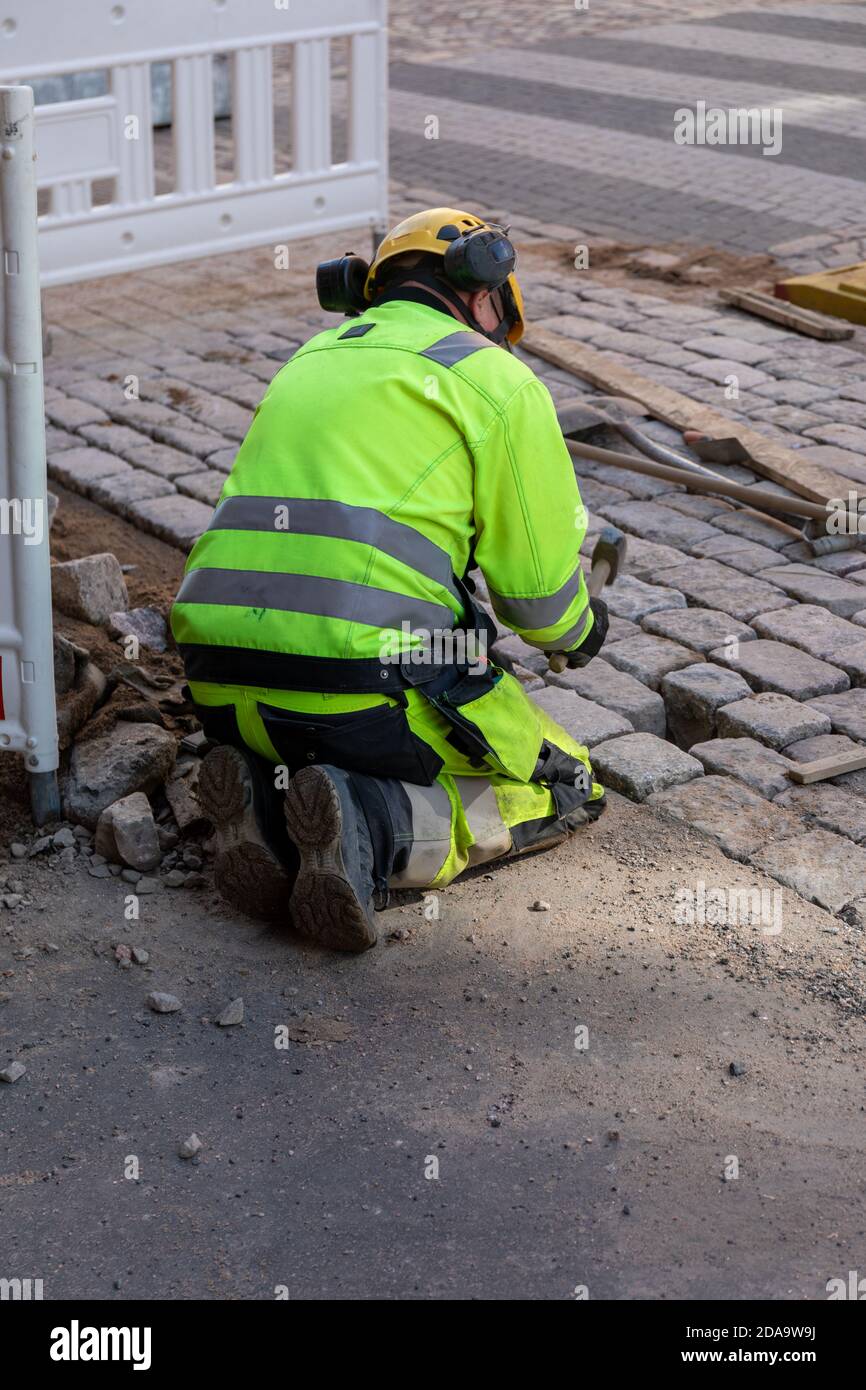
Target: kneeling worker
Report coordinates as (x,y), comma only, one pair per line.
(326,620)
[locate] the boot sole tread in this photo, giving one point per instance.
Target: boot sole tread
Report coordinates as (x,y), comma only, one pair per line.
(324,906)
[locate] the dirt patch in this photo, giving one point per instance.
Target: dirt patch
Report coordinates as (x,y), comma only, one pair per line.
(153,575)
(677,270)
(14,798)
(146,690)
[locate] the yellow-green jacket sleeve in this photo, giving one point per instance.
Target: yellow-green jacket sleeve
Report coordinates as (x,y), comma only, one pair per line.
(530,523)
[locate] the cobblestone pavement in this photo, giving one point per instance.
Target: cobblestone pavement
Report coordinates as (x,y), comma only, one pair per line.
(448,30)
(570,117)
(734,650)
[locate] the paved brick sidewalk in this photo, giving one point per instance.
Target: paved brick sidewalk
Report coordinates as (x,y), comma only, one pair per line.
(572,118)
(728,635)
(448,30)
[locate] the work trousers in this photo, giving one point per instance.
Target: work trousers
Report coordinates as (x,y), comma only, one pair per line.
(506,779)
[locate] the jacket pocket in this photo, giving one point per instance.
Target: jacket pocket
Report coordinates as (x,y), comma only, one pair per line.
(377,741)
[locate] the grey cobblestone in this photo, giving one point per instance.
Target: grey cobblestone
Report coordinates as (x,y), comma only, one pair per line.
(164,425)
(205,486)
(632,598)
(692,504)
(616,690)
(648,658)
(639,764)
(654,522)
(728,347)
(841,412)
(588,723)
(775,720)
(761,768)
(644,559)
(809,585)
(619,628)
(723,370)
(219,415)
(700,629)
(141,451)
(826,745)
(600,496)
(713,585)
(846,712)
(811,628)
(639,485)
(843,563)
(751,528)
(746,556)
(79,469)
(733,816)
(222,460)
(70,414)
(792,392)
(692,697)
(178,520)
(120,492)
(786,416)
(775,666)
(829,807)
(848,437)
(56,440)
(822,867)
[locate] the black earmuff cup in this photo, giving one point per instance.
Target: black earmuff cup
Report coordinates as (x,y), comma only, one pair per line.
(340,285)
(483,259)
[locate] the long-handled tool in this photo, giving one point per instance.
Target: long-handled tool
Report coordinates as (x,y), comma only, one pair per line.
(799,506)
(697,478)
(608,557)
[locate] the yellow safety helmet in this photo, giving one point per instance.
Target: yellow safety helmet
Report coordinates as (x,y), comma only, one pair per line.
(476,254)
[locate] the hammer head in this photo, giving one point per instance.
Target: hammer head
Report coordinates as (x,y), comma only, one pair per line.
(610,547)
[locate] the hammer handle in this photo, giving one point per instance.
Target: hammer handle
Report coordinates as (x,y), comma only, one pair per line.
(598,577)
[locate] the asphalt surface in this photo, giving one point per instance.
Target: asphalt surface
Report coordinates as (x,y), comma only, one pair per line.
(559,1167)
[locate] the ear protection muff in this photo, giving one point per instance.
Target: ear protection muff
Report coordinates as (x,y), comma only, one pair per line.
(340,285)
(481,259)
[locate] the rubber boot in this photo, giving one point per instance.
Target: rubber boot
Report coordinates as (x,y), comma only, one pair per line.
(255,863)
(332,901)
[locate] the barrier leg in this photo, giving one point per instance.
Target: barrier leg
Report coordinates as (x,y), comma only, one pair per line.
(44,797)
(28,720)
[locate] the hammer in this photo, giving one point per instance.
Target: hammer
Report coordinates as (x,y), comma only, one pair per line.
(608,556)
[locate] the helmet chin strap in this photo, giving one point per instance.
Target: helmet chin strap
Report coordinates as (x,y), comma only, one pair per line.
(425,286)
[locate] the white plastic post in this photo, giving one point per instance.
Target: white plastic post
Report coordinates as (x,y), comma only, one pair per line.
(28,719)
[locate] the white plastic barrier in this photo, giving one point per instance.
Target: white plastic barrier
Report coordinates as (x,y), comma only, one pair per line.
(28,722)
(111,137)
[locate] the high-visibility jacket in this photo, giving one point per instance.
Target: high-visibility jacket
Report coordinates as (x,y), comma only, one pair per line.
(386,458)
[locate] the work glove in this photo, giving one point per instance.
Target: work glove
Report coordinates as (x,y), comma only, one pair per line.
(582,655)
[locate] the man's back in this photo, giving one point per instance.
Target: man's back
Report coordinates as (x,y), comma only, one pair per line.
(325,619)
(381,457)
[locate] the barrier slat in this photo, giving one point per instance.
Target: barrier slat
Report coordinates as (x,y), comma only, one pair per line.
(81,141)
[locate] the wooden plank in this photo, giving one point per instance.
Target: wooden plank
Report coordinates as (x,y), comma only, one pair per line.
(821,768)
(801,320)
(768,457)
